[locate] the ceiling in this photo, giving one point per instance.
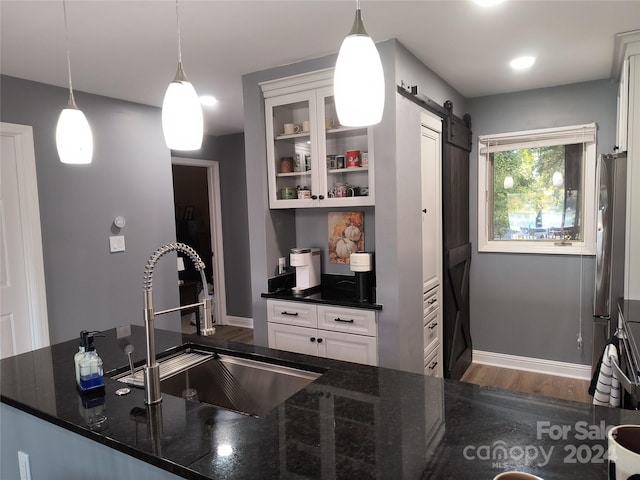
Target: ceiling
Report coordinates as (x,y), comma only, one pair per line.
(128,49)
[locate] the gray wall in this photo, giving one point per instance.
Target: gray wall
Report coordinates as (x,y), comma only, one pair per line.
(228,151)
(273,233)
(529,305)
(88,287)
(312,230)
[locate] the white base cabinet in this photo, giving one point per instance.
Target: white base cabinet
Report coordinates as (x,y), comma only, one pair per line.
(348,334)
(432,328)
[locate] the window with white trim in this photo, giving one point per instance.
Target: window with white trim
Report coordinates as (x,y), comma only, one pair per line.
(536,191)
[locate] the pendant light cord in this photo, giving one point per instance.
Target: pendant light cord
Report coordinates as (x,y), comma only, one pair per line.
(72,102)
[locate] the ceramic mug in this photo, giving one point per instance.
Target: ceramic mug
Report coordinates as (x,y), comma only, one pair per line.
(624,452)
(289,128)
(516,476)
(342,191)
(306,126)
(286,164)
(353,158)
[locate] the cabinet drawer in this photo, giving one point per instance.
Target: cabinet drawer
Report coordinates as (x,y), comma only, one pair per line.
(430,301)
(432,365)
(348,320)
(431,331)
(292,313)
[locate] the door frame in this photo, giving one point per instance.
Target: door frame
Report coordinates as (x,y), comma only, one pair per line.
(29,213)
(215,221)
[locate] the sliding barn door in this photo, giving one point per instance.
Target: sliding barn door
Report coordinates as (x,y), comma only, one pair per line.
(456,246)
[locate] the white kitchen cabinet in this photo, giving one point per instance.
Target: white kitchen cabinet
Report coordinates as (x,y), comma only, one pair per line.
(430,152)
(348,334)
(627,58)
(302,165)
(432,333)
(431,175)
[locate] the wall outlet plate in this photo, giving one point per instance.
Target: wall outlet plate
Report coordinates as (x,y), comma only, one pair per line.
(25,467)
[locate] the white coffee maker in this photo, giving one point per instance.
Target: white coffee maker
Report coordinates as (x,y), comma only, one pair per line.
(307,264)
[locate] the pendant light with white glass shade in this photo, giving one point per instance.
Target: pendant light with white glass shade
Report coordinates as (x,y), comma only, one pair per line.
(74,140)
(358,80)
(182,121)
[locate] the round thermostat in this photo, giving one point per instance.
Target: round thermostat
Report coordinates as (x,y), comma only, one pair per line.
(119,222)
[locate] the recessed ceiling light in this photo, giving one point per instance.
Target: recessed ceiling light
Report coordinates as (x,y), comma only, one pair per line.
(521,63)
(208,100)
(487,3)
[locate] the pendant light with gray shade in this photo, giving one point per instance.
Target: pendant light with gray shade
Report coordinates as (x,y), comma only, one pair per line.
(358,81)
(74,140)
(182,121)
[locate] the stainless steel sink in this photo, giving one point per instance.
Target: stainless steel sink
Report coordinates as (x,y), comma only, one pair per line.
(244,385)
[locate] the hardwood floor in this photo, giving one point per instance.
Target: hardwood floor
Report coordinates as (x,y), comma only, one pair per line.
(234,334)
(528,382)
(223,332)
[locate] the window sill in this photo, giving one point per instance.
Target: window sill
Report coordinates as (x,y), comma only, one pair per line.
(536,247)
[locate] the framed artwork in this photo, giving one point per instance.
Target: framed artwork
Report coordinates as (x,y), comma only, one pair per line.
(346,235)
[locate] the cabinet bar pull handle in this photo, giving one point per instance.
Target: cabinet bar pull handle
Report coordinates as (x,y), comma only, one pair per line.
(433,365)
(433,325)
(432,301)
(343,320)
(294,314)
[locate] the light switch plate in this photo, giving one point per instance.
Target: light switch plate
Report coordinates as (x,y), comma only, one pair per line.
(116,243)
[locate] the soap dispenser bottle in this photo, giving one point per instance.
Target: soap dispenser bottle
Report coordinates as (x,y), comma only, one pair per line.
(78,356)
(90,364)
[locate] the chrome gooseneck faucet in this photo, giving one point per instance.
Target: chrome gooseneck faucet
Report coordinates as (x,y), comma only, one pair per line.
(152,369)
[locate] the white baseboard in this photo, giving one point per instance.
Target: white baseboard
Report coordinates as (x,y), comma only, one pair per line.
(537,365)
(239,321)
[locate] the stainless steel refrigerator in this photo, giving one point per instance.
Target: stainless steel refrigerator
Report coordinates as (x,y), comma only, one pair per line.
(611,174)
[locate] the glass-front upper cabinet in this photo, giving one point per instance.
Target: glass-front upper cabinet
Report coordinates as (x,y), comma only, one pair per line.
(313,161)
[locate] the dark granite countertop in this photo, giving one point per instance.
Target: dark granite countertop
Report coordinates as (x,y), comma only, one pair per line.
(355,421)
(323,297)
(335,290)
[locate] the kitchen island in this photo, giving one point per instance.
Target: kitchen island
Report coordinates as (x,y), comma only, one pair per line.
(354,421)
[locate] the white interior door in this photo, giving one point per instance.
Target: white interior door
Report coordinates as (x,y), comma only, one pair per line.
(23,309)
